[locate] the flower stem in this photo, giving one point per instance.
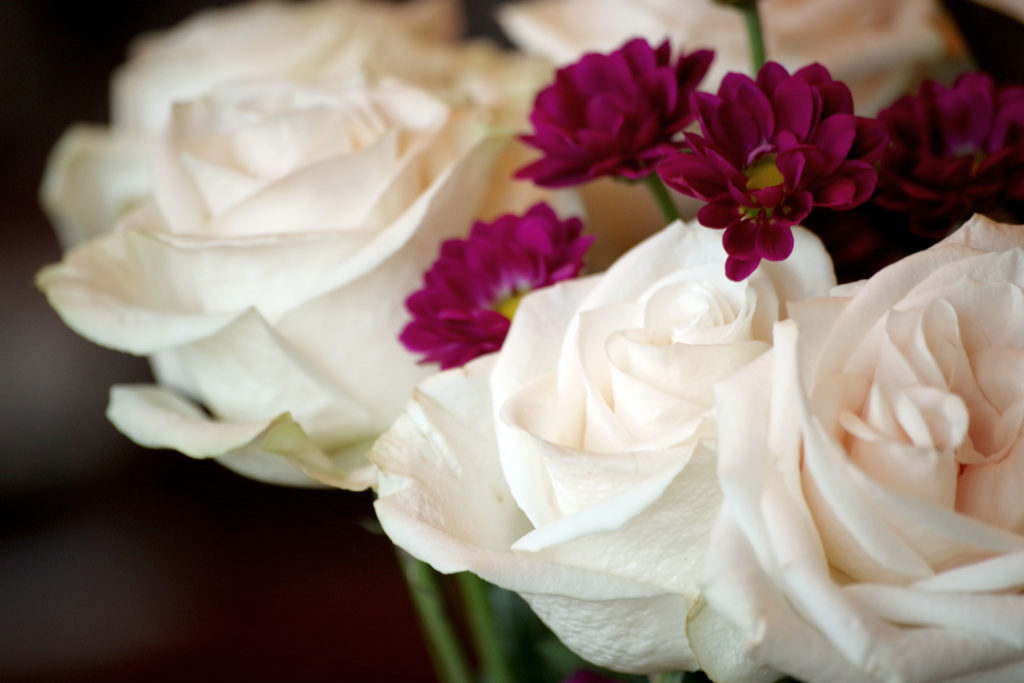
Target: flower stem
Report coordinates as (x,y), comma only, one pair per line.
(483,629)
(667,677)
(442,644)
(754,33)
(662,197)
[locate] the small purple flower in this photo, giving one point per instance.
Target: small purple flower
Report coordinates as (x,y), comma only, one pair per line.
(770,151)
(616,114)
(471,292)
(953,152)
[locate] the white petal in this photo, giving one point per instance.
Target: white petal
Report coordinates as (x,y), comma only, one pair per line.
(275,451)
(93,177)
(443,440)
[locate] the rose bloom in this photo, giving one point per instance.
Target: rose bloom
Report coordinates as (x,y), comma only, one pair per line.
(96,174)
(577,465)
(872,468)
(877,47)
(266,277)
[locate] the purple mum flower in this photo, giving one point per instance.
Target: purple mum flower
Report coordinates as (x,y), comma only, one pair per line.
(616,114)
(471,292)
(770,151)
(953,152)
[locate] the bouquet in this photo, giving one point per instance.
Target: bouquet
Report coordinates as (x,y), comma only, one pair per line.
(696,327)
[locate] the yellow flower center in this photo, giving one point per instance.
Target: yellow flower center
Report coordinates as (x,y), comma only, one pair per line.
(763,173)
(508,305)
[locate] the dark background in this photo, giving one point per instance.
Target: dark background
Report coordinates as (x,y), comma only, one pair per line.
(124,564)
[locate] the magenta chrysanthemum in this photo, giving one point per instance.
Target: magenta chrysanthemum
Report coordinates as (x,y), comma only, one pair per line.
(770,151)
(616,114)
(472,290)
(953,152)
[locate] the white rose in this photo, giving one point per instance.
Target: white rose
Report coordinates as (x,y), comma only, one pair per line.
(872,467)
(577,466)
(877,47)
(97,173)
(290,40)
(267,277)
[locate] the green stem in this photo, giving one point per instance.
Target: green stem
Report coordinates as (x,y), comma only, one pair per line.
(662,197)
(442,644)
(754,32)
(483,629)
(667,677)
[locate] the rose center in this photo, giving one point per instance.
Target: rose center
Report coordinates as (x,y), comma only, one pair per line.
(763,173)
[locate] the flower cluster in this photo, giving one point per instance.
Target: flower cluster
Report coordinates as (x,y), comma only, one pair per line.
(702,457)
(769,151)
(612,115)
(953,152)
(471,292)
(304,176)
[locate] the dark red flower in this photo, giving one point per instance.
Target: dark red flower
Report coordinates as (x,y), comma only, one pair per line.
(471,292)
(769,151)
(953,152)
(616,114)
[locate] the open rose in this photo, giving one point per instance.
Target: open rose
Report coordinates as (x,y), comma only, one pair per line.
(877,47)
(96,174)
(266,278)
(577,467)
(872,468)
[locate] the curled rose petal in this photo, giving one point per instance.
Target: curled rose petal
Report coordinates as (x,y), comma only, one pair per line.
(871,466)
(586,446)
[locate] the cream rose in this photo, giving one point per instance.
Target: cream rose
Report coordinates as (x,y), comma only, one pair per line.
(877,47)
(577,467)
(266,278)
(96,174)
(264,40)
(872,468)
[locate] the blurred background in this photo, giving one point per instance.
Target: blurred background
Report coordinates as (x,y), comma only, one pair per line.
(119,563)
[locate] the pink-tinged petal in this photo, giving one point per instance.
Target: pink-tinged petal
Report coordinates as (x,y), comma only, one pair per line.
(1008,118)
(851,186)
(953,152)
(691,175)
(737,269)
(718,215)
(966,114)
(760,109)
(797,207)
(871,140)
(775,242)
(740,240)
(460,312)
(771,76)
(801,124)
(791,165)
(553,173)
(690,70)
(704,106)
(835,137)
(732,84)
(612,114)
(793,102)
(735,129)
